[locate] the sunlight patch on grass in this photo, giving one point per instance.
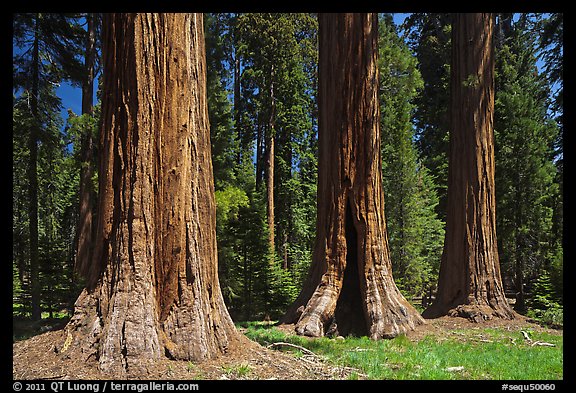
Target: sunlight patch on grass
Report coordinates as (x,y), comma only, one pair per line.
(460,354)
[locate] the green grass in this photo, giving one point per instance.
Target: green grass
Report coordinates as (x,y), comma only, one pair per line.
(472,353)
(237,371)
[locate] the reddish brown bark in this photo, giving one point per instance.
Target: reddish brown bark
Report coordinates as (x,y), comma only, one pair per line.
(350,280)
(469,283)
(86,191)
(153,287)
(270,142)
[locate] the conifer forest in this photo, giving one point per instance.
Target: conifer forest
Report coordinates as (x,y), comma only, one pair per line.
(180,179)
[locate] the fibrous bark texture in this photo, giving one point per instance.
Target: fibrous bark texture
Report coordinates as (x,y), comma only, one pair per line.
(153,287)
(350,287)
(469,284)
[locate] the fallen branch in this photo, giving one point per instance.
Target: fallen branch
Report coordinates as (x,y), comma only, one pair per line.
(542,344)
(318,361)
(526,336)
(312,362)
(485,341)
(346,369)
(534,343)
(358,349)
(305,350)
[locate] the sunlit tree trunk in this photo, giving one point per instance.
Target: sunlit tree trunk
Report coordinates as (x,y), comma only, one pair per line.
(270,145)
(470,284)
(153,288)
(350,282)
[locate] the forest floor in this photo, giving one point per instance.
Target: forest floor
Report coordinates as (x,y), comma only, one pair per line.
(37,358)
(283,355)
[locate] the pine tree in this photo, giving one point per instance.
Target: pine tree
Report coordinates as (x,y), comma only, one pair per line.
(429,37)
(86,192)
(58,201)
(526,182)
(415,233)
(48,51)
(225,144)
(551,33)
(21,123)
(235,40)
(277,94)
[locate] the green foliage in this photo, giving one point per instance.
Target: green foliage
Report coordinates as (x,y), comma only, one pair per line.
(237,371)
(47,49)
(278,50)
(57,204)
(415,233)
(463,354)
(228,203)
(527,189)
(429,38)
(224,143)
(60,39)
(550,31)
(543,304)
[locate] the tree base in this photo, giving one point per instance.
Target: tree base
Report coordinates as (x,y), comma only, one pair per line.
(473,312)
(137,348)
(386,317)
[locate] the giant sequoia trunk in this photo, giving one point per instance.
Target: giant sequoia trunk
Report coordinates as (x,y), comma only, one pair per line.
(153,287)
(350,281)
(469,284)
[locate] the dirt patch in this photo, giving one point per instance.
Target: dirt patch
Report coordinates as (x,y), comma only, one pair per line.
(38,358)
(443,326)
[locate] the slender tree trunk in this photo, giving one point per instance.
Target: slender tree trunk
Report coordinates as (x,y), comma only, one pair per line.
(520,305)
(33,178)
(469,283)
(285,251)
(270,141)
(89,60)
(259,152)
(153,287)
(86,192)
(284,202)
(350,281)
(19,242)
(237,109)
(247,289)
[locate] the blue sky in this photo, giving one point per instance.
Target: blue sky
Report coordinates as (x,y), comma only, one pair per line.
(71,99)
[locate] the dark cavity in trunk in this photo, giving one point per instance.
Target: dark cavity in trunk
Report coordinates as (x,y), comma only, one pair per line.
(349,314)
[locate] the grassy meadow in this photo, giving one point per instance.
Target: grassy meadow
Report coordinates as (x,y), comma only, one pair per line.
(488,353)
